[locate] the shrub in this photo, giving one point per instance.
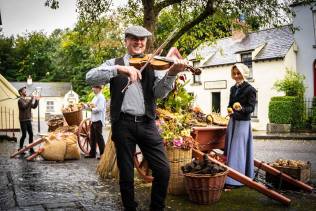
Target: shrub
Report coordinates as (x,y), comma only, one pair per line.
(292,84)
(287,110)
(280,110)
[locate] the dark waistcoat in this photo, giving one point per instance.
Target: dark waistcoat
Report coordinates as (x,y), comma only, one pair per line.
(118,83)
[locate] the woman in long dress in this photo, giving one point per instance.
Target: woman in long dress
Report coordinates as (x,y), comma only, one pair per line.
(238,143)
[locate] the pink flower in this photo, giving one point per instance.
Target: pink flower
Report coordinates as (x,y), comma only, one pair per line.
(177,142)
(183,77)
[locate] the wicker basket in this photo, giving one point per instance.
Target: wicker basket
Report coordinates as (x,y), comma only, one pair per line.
(73,117)
(205,188)
(55,123)
(177,158)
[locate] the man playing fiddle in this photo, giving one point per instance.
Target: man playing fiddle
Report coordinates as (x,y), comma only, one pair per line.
(133,115)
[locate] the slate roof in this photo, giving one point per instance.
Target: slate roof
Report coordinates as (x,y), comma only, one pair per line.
(49,89)
(276,43)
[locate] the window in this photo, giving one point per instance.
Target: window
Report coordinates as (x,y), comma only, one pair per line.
(255,111)
(50,106)
(246,58)
(216,102)
(197,79)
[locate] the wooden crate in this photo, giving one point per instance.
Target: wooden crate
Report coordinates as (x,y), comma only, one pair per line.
(301,174)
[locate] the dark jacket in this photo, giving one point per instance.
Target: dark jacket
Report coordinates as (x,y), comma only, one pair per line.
(118,82)
(246,96)
(25,106)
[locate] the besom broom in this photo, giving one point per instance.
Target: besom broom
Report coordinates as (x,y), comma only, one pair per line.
(107,167)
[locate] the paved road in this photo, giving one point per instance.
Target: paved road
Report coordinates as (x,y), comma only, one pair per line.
(74,185)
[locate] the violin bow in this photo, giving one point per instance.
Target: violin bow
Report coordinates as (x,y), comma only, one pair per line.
(156,52)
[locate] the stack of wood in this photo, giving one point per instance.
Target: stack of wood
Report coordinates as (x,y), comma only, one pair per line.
(204,166)
(73,107)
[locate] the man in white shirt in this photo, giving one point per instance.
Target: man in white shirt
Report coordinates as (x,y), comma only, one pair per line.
(97,106)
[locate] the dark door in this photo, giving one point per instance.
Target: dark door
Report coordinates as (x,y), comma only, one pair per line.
(216,102)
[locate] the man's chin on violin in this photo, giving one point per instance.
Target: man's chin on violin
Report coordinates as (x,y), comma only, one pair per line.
(137,46)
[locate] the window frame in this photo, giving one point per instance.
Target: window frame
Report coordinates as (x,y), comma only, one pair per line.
(50,106)
(254,114)
(247,62)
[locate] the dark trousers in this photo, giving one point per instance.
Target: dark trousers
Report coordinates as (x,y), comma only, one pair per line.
(96,138)
(126,134)
(26,126)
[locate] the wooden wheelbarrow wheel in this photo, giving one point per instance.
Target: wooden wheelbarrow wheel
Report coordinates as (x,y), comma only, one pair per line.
(142,167)
(83,135)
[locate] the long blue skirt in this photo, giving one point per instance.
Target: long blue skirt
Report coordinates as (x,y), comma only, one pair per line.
(239,149)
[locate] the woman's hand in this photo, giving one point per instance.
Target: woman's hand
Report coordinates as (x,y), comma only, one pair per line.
(230,111)
(130,71)
(237,106)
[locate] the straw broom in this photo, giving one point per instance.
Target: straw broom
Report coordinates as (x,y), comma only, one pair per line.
(107,167)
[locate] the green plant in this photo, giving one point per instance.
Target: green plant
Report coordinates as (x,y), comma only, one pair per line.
(280,110)
(287,110)
(292,84)
(178,100)
(106,92)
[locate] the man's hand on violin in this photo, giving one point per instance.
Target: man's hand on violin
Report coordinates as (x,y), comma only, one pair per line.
(130,71)
(178,66)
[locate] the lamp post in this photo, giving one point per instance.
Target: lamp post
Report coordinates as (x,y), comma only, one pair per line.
(38,93)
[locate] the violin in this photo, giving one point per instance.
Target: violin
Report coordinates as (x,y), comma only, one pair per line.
(158,63)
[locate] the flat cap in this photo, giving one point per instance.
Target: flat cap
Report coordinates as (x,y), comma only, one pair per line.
(21,89)
(137,31)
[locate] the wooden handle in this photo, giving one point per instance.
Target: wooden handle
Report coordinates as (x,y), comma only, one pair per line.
(248,181)
(284,176)
(36,142)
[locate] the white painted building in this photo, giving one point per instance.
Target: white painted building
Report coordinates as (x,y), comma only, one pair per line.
(268,53)
(305,37)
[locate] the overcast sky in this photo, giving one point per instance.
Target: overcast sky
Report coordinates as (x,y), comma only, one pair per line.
(19,16)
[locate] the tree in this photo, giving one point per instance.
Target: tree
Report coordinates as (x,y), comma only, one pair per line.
(8,63)
(256,12)
(33,55)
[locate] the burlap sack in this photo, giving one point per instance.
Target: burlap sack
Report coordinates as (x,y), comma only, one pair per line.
(72,149)
(54,150)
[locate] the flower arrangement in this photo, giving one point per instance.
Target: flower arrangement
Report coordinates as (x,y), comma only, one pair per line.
(174,117)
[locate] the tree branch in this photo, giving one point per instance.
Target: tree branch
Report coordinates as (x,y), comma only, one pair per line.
(161,5)
(208,11)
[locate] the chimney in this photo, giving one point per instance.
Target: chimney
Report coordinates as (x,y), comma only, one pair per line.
(239,29)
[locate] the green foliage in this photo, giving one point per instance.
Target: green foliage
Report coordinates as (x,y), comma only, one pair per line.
(287,110)
(292,84)
(212,28)
(281,109)
(8,60)
(178,100)
(89,96)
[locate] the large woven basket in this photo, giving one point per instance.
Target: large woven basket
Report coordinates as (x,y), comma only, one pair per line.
(73,117)
(205,188)
(177,158)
